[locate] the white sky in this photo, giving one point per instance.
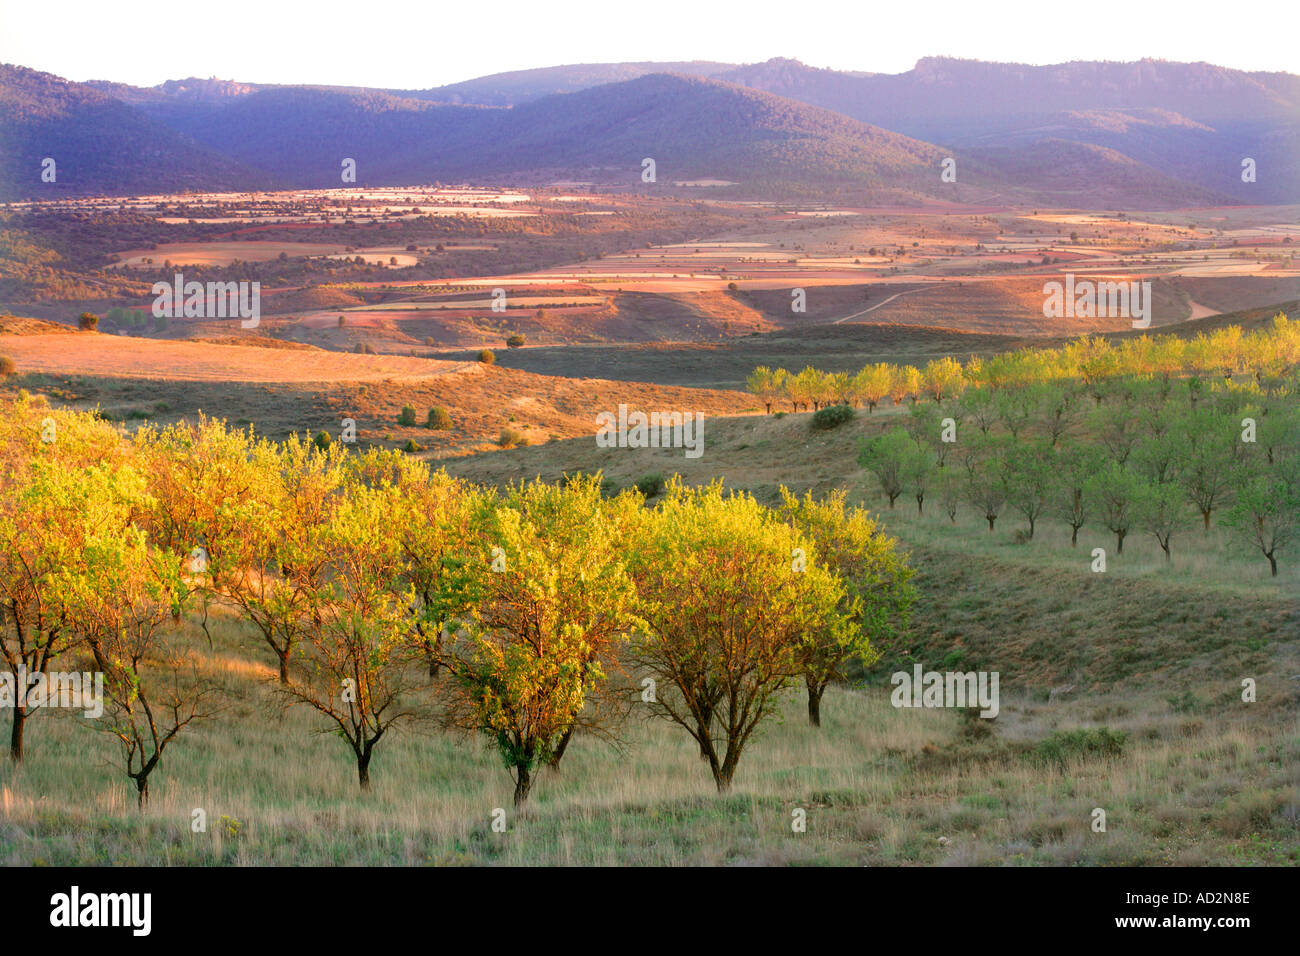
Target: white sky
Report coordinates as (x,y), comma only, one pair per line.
(416,44)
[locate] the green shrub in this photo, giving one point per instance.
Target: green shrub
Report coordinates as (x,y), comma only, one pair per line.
(1064,745)
(412,446)
(7,366)
(516,341)
(509,438)
(832,416)
(650,485)
(487,356)
(88,321)
(439,419)
(322,440)
(408,415)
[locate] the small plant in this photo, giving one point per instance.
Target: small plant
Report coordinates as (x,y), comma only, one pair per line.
(412,446)
(510,438)
(516,341)
(650,485)
(88,322)
(438,420)
(832,416)
(487,356)
(407,417)
(342,321)
(1064,745)
(322,440)
(7,366)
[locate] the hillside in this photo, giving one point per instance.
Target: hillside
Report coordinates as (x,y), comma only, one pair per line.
(98,143)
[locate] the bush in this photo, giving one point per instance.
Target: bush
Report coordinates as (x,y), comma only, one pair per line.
(439,419)
(487,356)
(88,322)
(1064,745)
(7,366)
(160,323)
(515,341)
(650,485)
(509,438)
(412,446)
(322,440)
(342,321)
(407,417)
(832,416)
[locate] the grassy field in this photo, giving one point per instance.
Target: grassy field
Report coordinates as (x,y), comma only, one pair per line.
(1120,691)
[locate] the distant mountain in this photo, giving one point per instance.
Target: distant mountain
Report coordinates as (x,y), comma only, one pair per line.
(98,144)
(1134,135)
(521,86)
(1191,121)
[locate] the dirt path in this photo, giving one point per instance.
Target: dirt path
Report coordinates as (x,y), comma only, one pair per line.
(874,307)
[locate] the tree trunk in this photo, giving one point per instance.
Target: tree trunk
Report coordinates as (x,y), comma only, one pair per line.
(990,519)
(815,705)
(919,500)
(1272,562)
(1074,535)
(1206,515)
(284,665)
(523,784)
(1119,542)
(554,762)
(16,734)
(142,791)
(363,770)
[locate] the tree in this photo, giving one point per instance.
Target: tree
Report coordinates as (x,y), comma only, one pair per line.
(943,378)
(52,495)
(121,595)
(438,419)
(555,609)
(886,456)
(407,416)
(88,322)
(767,384)
(1160,509)
(726,605)
(356,664)
(1114,490)
(1266,513)
(872,384)
(1028,475)
(878,591)
(1069,497)
(1205,442)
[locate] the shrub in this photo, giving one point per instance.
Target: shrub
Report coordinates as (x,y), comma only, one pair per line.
(509,438)
(88,322)
(832,416)
(342,321)
(439,419)
(322,440)
(650,485)
(487,356)
(407,417)
(1064,745)
(7,366)
(412,446)
(515,341)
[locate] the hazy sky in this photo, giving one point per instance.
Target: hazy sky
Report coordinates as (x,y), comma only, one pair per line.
(410,44)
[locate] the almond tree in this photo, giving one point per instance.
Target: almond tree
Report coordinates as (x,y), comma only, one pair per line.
(727,606)
(557,604)
(60,474)
(878,594)
(122,595)
(356,667)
